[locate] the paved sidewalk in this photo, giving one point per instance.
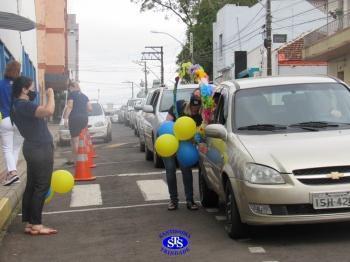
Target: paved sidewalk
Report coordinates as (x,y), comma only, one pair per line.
(10,196)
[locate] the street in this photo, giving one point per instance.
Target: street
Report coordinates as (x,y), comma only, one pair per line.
(120,215)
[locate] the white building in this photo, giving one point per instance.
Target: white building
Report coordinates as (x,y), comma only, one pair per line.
(21,46)
(242,28)
(73,47)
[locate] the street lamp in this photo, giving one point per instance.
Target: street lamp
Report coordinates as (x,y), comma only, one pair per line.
(132,86)
(177,40)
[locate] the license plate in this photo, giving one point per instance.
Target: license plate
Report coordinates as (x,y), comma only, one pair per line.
(331,200)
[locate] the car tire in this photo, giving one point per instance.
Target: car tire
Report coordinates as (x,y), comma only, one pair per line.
(207,196)
(142,147)
(157,160)
(108,137)
(234,226)
(148,154)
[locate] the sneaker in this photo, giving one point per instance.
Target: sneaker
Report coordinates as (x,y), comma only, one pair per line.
(10,180)
(192,206)
(172,206)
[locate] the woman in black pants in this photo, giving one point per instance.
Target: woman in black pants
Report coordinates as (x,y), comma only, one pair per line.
(37,150)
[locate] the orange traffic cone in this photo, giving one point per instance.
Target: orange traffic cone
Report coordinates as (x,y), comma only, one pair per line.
(91,163)
(82,169)
(92,149)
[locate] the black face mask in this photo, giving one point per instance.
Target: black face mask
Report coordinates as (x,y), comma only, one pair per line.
(31,95)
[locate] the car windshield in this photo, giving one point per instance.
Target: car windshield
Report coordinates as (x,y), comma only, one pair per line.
(313,105)
(96,110)
(168,98)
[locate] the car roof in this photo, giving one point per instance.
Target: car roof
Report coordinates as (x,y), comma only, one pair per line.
(279,80)
(183,86)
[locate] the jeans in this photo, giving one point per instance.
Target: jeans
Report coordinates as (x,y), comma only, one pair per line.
(170,168)
(11,143)
(39,171)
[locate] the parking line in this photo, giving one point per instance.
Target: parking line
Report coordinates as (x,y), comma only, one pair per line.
(119,162)
(220,218)
(153,189)
(86,195)
(212,210)
(142,174)
(256,250)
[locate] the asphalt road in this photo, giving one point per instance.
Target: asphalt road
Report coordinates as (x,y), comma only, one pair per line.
(120,215)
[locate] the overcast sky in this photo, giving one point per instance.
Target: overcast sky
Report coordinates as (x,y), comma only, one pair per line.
(113,33)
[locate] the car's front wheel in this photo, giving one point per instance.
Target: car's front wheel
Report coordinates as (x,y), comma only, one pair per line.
(207,196)
(234,226)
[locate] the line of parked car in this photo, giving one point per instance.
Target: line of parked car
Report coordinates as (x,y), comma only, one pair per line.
(277,150)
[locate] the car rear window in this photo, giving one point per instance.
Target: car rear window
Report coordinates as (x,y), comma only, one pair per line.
(96,110)
(167,99)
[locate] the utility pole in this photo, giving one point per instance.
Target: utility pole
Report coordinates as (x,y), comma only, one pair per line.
(146,89)
(191,47)
(268,41)
(161,66)
(156,54)
(239,36)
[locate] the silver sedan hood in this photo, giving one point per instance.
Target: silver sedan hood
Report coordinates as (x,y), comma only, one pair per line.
(289,151)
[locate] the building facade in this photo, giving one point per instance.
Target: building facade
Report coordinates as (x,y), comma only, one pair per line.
(52,49)
(331,42)
(73,47)
(17,45)
(242,28)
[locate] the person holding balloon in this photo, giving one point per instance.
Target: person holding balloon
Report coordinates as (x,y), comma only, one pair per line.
(38,151)
(191,110)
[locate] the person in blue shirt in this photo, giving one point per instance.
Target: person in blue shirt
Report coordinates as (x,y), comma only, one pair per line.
(76,115)
(10,137)
(38,151)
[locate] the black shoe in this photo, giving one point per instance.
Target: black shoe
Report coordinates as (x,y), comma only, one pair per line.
(70,163)
(172,206)
(192,206)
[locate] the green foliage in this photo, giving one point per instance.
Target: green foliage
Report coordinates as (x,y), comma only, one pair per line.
(199,16)
(203,32)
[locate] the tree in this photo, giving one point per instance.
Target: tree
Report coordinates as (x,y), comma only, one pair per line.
(183,9)
(203,32)
(199,16)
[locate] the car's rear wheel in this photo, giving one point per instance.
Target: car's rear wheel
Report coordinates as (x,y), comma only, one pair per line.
(157,160)
(207,196)
(148,154)
(234,226)
(142,146)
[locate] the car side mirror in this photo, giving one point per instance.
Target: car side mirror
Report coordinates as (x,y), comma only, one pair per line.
(148,109)
(216,131)
(138,108)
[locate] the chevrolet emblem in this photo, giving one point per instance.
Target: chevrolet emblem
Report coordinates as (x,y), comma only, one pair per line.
(335,175)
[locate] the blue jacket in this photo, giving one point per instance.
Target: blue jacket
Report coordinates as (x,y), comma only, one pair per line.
(5,97)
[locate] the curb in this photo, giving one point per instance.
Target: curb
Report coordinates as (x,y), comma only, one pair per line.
(12,197)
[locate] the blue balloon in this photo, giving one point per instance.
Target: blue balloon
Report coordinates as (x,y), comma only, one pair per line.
(166,127)
(187,155)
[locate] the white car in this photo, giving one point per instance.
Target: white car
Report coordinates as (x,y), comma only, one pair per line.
(99,125)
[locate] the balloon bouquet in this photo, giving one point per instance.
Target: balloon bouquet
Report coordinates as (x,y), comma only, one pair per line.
(181,137)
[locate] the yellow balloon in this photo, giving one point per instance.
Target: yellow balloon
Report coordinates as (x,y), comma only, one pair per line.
(166,145)
(62,181)
(185,128)
(48,198)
